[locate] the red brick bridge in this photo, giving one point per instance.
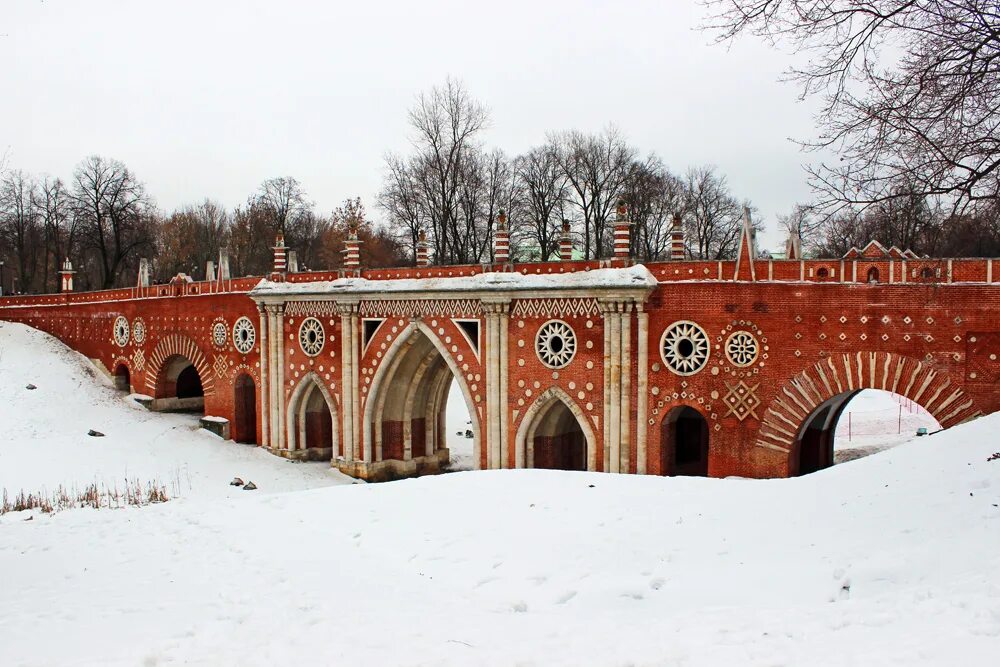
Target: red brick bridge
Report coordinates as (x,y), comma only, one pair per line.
(737,367)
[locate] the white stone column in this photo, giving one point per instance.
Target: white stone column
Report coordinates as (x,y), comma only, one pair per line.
(348,387)
(488,366)
(504,324)
(605,449)
(494,357)
(642,388)
(279,337)
(355,381)
(615,378)
(625,444)
(265,389)
(272,384)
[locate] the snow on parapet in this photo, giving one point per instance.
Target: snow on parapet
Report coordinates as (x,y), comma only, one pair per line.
(634,277)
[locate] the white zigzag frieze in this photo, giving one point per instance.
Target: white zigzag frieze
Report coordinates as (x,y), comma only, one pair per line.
(379,308)
(555,308)
(320,308)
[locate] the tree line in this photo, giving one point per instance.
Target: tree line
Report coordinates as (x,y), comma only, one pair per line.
(914,127)
(104,220)
(452,186)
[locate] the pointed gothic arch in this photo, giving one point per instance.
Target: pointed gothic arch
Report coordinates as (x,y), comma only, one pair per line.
(535,415)
(393,392)
(307,428)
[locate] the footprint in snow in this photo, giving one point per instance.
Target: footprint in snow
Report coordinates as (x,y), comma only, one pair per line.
(656,584)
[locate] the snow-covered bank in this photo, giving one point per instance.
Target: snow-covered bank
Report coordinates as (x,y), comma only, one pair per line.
(44,441)
(894,559)
(890,560)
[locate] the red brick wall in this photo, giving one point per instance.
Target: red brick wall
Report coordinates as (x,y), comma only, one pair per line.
(945,336)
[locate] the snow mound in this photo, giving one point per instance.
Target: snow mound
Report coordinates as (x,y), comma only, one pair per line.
(889,560)
(44,442)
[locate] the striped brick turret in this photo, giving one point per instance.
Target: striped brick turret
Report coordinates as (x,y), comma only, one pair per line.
(501,240)
(623,231)
(423,250)
(352,253)
(677,239)
(280,254)
(565,243)
(67,276)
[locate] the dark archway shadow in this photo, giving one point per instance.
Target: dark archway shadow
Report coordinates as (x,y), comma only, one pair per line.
(684,434)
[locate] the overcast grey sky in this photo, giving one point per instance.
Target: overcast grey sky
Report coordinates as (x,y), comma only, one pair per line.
(208,99)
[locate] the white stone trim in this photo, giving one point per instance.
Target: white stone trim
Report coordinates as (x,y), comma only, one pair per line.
(244,345)
(311,348)
(697,329)
(564,357)
(745,336)
(121,331)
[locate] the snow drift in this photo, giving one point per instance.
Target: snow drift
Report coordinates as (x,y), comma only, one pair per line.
(892,559)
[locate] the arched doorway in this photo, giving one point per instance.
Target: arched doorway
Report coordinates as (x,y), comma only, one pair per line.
(245,409)
(684,438)
(312,422)
(122,378)
(404,415)
(179,387)
(558,442)
(554,434)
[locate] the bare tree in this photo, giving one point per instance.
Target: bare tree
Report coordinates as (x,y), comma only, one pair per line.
(654,196)
(487,188)
(285,203)
(19,224)
(543,188)
(111,208)
(251,237)
(711,214)
(401,200)
(446,122)
(596,167)
(909,90)
(54,207)
(803,222)
(188,237)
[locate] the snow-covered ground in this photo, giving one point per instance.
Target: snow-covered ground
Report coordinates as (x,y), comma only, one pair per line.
(890,560)
(44,441)
(876,420)
(456,418)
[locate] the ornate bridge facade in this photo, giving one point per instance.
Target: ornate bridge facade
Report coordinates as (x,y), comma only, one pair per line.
(736,367)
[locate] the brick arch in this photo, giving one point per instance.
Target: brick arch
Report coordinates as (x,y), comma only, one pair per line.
(176,344)
(526,429)
(295,413)
(386,372)
(841,373)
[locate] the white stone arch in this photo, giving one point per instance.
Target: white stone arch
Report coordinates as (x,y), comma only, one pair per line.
(386,371)
(524,442)
(295,418)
